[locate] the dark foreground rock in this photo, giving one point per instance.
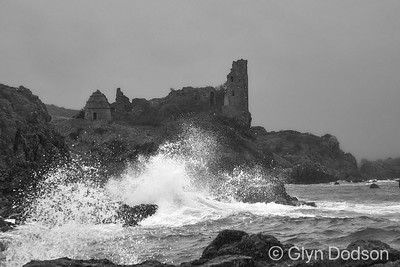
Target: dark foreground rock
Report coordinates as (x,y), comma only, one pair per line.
(374,186)
(274,192)
(5,226)
(240,249)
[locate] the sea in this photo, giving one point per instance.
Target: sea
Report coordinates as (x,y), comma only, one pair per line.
(72,215)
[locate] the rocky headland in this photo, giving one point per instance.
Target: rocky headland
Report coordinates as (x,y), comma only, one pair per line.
(381,169)
(310,159)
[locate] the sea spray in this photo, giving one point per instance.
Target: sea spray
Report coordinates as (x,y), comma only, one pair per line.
(72,193)
(73,214)
(69,214)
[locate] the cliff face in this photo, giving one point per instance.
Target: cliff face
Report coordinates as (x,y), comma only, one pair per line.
(28,142)
(112,145)
(306,158)
(381,169)
(313,159)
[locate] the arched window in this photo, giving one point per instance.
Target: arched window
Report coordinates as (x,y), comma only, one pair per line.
(94,115)
(231,78)
(233,93)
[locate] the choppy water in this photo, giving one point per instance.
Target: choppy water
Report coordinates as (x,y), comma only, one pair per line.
(76,217)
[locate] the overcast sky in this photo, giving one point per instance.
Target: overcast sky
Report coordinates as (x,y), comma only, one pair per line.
(314,66)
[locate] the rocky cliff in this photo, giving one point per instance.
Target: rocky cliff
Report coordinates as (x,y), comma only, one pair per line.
(28,143)
(114,144)
(301,157)
(312,159)
(381,169)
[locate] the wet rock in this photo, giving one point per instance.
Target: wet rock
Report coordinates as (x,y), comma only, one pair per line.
(2,246)
(368,245)
(374,186)
(303,203)
(133,215)
(5,226)
(232,242)
(223,261)
(262,193)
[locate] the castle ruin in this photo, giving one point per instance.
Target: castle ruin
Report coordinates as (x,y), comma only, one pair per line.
(230,100)
(97,107)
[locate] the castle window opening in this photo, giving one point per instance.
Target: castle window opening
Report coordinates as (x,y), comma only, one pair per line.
(94,115)
(233,93)
(231,78)
(212,99)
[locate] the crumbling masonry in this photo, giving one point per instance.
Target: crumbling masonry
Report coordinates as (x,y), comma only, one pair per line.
(230,100)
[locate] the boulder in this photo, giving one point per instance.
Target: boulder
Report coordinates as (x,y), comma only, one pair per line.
(5,226)
(133,215)
(274,192)
(223,261)
(374,186)
(233,242)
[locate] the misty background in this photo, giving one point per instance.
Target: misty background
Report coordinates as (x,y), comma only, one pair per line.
(314,66)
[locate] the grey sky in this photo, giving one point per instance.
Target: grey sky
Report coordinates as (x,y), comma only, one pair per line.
(314,66)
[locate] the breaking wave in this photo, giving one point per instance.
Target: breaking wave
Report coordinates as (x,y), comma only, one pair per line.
(72,211)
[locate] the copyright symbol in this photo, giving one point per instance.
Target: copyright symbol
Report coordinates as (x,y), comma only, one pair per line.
(275,253)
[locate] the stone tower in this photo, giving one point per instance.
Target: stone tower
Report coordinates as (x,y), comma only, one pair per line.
(97,107)
(236,99)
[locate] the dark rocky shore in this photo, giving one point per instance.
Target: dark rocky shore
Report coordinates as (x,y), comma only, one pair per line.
(240,249)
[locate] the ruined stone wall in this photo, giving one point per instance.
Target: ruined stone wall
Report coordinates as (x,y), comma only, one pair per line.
(98,114)
(236,100)
(97,107)
(230,100)
(204,98)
